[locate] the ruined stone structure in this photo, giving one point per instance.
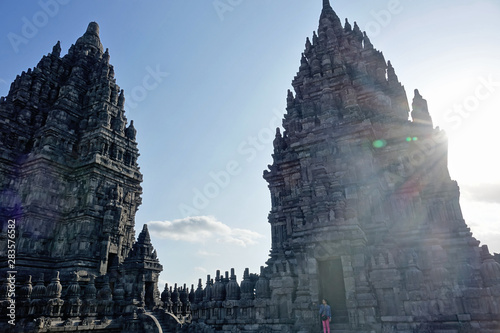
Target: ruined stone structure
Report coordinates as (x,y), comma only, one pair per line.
(364,212)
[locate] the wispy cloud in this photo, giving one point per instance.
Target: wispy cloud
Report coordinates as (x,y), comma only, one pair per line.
(200,269)
(482,218)
(200,229)
(489,193)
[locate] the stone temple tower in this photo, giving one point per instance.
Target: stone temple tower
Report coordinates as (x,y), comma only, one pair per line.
(68,163)
(364,212)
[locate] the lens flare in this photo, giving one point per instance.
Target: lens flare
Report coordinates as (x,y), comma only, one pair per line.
(379,143)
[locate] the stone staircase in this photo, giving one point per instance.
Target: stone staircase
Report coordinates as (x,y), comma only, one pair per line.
(164,324)
(168,322)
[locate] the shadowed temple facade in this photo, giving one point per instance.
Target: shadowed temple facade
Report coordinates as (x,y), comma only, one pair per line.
(364,212)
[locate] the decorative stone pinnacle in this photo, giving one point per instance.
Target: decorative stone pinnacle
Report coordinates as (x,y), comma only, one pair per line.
(56,50)
(93,29)
(144,237)
(90,41)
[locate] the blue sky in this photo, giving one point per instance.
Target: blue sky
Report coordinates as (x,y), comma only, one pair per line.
(217,74)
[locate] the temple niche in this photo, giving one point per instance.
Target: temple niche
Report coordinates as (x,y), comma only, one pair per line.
(364,212)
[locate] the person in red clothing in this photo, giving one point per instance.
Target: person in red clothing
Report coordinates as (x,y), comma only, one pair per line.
(325,314)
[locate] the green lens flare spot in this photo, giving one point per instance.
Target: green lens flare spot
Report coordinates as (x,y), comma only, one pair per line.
(379,143)
(415,138)
(408,139)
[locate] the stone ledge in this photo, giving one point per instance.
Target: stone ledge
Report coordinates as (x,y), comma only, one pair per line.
(405,319)
(464,317)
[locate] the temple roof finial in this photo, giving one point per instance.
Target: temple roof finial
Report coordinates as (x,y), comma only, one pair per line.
(331,17)
(93,29)
(90,42)
(144,237)
(420,112)
(327,8)
(56,50)
(347,26)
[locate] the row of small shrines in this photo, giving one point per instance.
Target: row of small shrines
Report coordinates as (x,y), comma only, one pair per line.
(222,298)
(45,305)
(227,288)
(40,300)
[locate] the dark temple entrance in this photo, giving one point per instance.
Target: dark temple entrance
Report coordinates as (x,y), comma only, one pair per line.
(149,297)
(331,287)
(112,260)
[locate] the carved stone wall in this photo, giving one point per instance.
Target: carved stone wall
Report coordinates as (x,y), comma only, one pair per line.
(363,207)
(69,179)
(354,180)
(364,211)
(69,174)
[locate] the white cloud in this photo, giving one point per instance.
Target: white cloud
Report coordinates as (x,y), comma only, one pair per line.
(488,193)
(200,229)
(200,269)
(482,218)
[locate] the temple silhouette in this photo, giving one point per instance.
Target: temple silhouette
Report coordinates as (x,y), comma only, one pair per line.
(364,212)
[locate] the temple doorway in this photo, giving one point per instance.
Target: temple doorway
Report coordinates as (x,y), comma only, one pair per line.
(332,287)
(149,297)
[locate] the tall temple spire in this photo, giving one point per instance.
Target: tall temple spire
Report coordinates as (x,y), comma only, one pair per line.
(326,4)
(69,110)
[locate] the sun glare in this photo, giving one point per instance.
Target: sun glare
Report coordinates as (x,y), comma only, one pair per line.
(473,154)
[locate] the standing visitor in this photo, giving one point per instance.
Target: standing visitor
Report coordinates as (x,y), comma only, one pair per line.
(325,314)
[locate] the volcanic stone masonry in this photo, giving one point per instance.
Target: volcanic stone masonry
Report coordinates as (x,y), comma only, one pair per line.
(364,212)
